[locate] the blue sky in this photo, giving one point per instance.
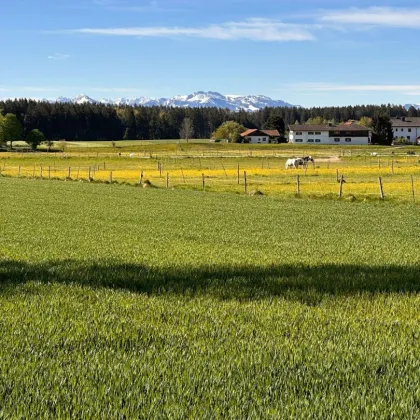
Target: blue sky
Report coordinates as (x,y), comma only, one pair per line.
(311,53)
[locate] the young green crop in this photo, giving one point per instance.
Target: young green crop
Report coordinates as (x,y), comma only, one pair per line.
(120,302)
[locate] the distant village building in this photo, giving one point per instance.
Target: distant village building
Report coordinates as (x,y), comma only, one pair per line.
(407,128)
(256,136)
(344,134)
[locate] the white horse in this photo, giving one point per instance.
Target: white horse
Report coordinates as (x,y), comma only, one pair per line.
(294,163)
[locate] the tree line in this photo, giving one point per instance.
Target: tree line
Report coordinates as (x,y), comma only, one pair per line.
(105,122)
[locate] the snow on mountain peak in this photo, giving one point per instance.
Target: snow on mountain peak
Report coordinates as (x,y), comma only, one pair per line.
(194,100)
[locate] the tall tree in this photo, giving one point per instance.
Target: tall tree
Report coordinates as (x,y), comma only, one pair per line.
(187,129)
(382,129)
(11,129)
(230,130)
(35,138)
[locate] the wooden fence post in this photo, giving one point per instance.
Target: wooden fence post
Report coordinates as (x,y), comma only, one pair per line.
(183,177)
(167,179)
(340,190)
(245,183)
(298,184)
(413,193)
(224,170)
(381,189)
(141,178)
(203,181)
(19,172)
(49,172)
(239,181)
(69,173)
(110,177)
(392,166)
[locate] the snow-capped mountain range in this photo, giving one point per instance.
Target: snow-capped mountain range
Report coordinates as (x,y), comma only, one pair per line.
(408,106)
(195,100)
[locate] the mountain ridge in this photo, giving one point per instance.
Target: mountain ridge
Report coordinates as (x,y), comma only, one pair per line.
(195,100)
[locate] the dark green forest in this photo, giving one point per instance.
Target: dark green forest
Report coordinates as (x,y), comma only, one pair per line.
(103,122)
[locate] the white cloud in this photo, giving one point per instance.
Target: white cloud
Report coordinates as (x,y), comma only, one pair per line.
(326,87)
(255,29)
(374,16)
(58,56)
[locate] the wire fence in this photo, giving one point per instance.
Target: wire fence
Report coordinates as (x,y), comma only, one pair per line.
(388,179)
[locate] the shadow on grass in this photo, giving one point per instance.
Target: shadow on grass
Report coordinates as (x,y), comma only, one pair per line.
(303,283)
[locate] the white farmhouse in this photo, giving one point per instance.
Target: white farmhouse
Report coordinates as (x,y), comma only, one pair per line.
(407,128)
(260,136)
(345,134)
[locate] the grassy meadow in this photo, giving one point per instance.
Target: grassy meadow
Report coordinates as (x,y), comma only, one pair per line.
(216,166)
(122,302)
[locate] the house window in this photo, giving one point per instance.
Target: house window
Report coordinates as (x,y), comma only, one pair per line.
(396,129)
(317,141)
(348,140)
(299,140)
(298,133)
(408,137)
(409,130)
(402,129)
(337,140)
(317,133)
(310,140)
(310,133)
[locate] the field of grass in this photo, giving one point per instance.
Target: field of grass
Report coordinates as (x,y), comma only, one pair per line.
(121,302)
(186,165)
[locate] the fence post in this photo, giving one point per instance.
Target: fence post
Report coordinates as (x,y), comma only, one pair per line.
(203,181)
(49,172)
(412,188)
(381,189)
(239,181)
(40,171)
(69,173)
(89,174)
(298,184)
(392,166)
(245,183)
(167,179)
(141,178)
(19,172)
(110,177)
(340,190)
(183,177)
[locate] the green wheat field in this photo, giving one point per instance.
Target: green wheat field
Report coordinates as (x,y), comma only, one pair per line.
(124,302)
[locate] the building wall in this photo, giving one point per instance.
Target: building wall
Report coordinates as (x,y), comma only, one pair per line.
(258,139)
(404,132)
(323,137)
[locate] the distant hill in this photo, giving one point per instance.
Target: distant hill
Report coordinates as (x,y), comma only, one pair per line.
(408,106)
(195,100)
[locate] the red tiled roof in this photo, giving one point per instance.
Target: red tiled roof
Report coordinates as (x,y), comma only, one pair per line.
(270,133)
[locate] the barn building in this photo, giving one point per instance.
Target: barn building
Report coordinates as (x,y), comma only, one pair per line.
(256,136)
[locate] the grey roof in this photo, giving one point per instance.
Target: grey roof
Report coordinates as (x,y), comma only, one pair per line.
(323,127)
(409,122)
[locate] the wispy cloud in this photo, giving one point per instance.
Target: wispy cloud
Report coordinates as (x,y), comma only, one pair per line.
(122,5)
(374,16)
(256,29)
(58,56)
(327,87)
